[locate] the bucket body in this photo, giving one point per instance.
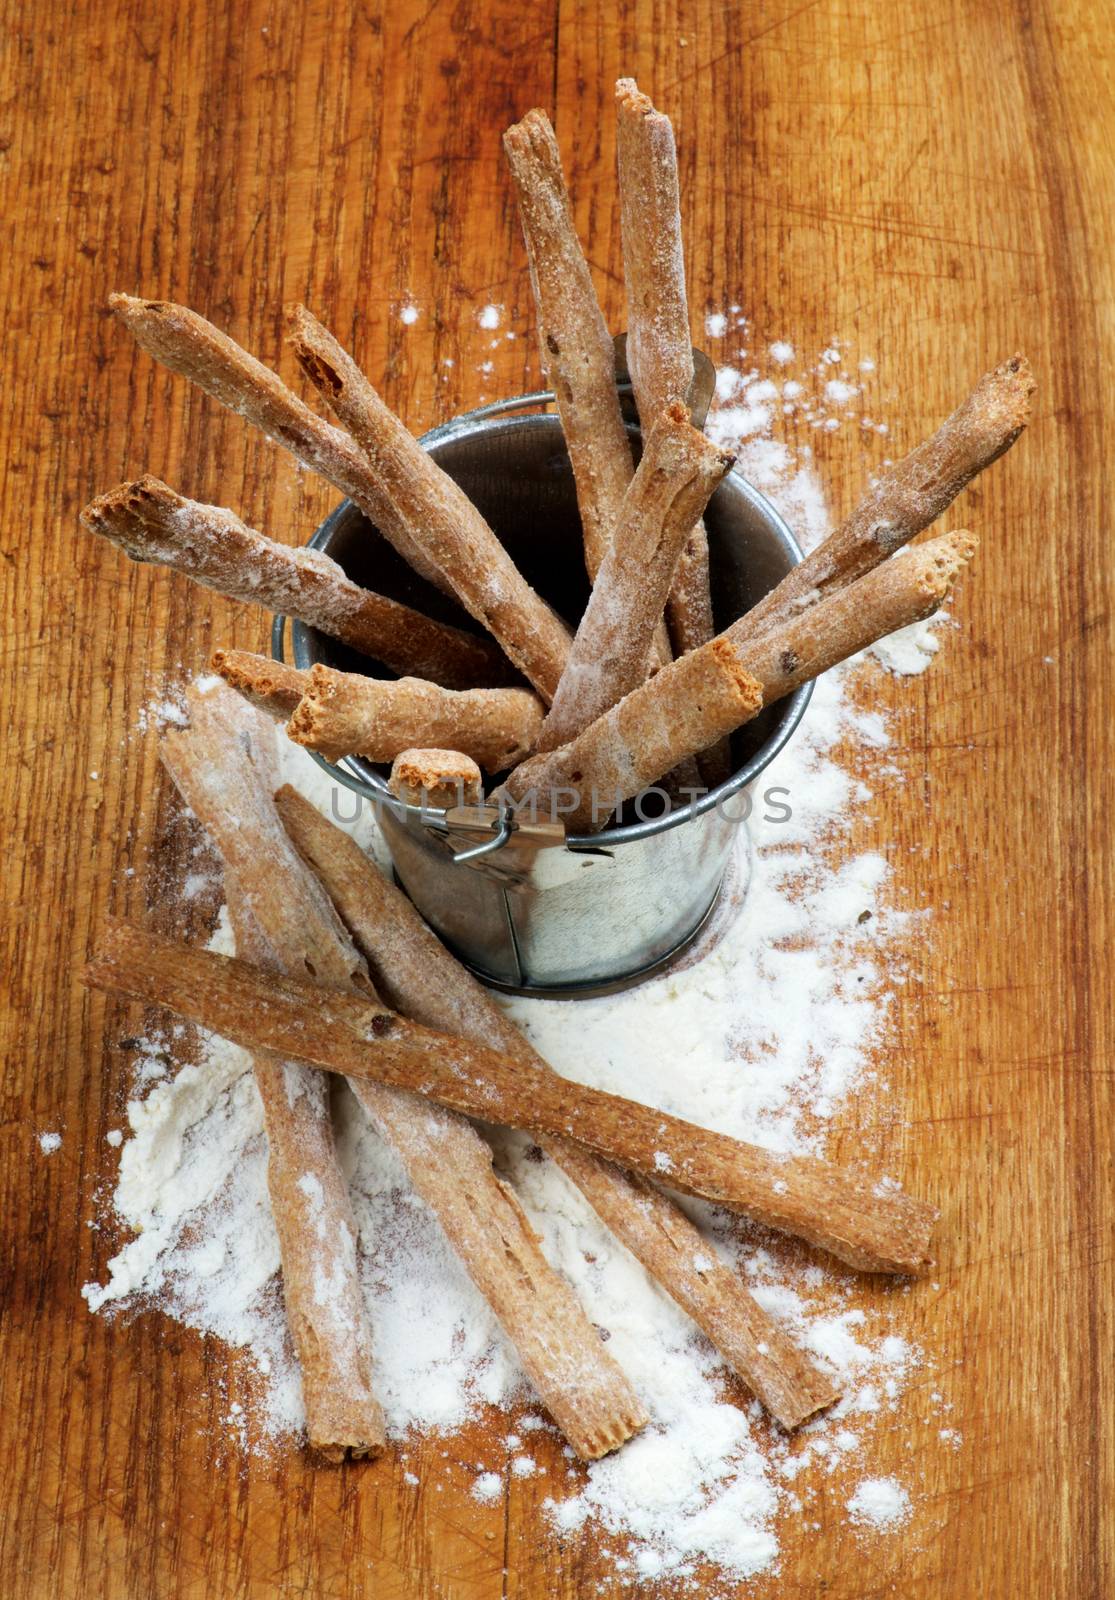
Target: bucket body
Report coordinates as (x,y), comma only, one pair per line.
(589,913)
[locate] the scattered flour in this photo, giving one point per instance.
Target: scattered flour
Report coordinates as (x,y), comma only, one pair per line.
(49,1143)
(490,317)
(880,1503)
(764,1037)
(910,650)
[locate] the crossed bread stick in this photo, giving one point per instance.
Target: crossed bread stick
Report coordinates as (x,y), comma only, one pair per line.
(705,695)
(418,976)
(439,516)
(852,1215)
(211,545)
(222,765)
(447,1161)
(189,345)
(678,472)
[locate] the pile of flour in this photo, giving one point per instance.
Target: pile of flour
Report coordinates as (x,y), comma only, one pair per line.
(762,1033)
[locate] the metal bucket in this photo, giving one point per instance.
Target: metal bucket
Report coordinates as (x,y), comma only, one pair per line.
(545,914)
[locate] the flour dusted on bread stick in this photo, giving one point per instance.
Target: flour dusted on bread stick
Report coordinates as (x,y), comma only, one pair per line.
(659,351)
(577,354)
(418,977)
(907,496)
(436,779)
(286,914)
(212,546)
(223,766)
(343,714)
(678,472)
(438,514)
(851,1214)
(189,345)
(705,695)
(271,685)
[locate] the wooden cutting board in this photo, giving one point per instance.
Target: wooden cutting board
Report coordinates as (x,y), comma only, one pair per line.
(929,185)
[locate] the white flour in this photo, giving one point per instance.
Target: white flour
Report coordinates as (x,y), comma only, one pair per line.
(880,1503)
(762,1033)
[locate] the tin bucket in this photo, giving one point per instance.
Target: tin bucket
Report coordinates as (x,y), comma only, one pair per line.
(539,912)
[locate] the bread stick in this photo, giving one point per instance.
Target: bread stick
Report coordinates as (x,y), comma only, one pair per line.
(436,779)
(577,355)
(209,544)
(343,714)
(678,472)
(908,496)
(659,351)
(222,764)
(439,516)
(271,685)
(861,1221)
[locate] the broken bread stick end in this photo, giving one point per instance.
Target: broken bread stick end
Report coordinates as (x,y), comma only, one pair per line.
(315,350)
(533,132)
(747,690)
(110,513)
(436,779)
(272,685)
(941,561)
(592,1443)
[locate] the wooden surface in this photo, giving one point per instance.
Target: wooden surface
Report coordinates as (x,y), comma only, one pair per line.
(930,184)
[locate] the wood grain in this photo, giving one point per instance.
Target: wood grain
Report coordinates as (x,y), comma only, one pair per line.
(930,185)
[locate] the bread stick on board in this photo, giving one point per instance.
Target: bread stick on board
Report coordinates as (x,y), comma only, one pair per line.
(846,1212)
(418,977)
(447,1161)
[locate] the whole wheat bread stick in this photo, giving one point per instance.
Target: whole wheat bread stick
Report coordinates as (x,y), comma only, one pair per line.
(189,345)
(848,1213)
(577,355)
(218,767)
(678,472)
(436,779)
(696,700)
(901,591)
(221,763)
(317,1236)
(209,544)
(437,512)
(343,714)
(705,695)
(908,496)
(271,685)
(418,977)
(659,352)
